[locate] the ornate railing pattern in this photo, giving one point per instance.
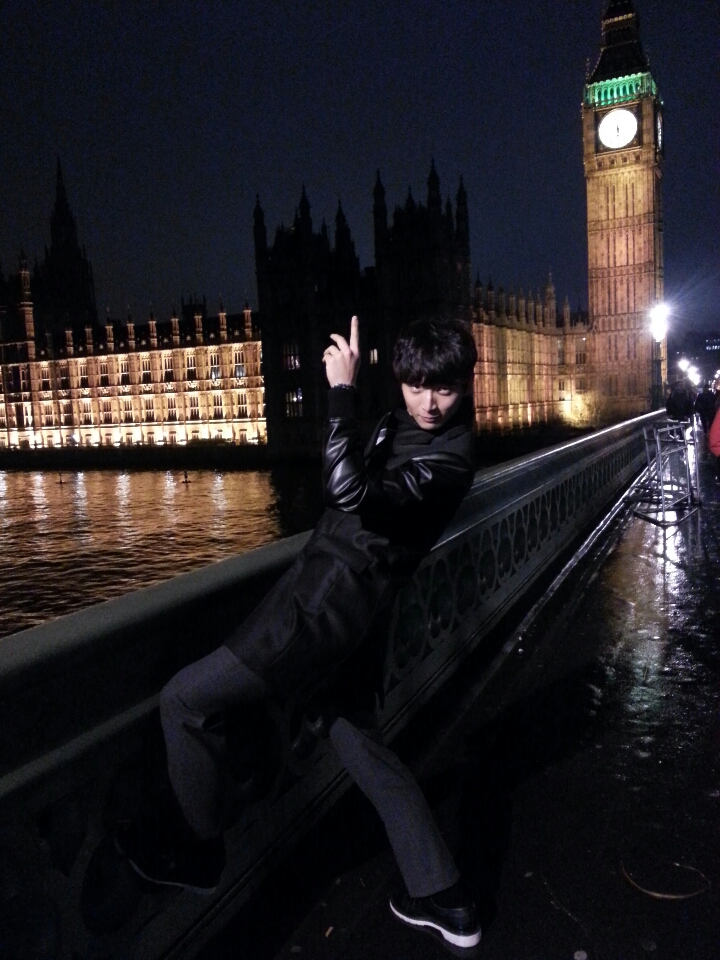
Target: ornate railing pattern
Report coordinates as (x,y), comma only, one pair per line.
(82,748)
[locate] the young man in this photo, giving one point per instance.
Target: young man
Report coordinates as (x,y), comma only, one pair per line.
(321,632)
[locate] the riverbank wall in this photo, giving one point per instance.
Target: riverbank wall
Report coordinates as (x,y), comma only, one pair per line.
(491,449)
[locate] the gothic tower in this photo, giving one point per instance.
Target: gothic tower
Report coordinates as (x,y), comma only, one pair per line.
(63,283)
(623,158)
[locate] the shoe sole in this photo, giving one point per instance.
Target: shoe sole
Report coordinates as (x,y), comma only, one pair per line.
(464,940)
(203,891)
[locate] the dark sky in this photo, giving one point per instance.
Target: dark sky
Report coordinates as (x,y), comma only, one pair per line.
(169,117)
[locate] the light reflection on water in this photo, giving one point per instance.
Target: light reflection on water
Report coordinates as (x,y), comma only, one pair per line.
(72,540)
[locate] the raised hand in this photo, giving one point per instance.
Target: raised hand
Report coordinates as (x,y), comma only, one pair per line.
(342,359)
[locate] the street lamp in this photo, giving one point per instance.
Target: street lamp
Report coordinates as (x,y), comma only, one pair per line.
(683,364)
(658,329)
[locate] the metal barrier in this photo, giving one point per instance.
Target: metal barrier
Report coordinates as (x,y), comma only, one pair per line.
(79,696)
(666,496)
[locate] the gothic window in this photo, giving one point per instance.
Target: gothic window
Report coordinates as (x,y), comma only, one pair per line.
(146,374)
(149,409)
(290,356)
(561,386)
(214,366)
(242,405)
(293,403)
(83,374)
(239,363)
(373,355)
(107,411)
(194,409)
(171,408)
(67,416)
(124,371)
(581,385)
(190,366)
(561,353)
(168,373)
(44,378)
(580,350)
(87,412)
(47,414)
(127,411)
(64,378)
(104,375)
(217,406)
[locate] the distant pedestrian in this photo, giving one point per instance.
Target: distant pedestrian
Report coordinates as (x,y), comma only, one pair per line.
(705,407)
(680,405)
(713,436)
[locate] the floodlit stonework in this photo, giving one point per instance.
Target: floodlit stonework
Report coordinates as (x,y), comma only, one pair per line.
(623,154)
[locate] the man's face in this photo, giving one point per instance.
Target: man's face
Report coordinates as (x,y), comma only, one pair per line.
(430,407)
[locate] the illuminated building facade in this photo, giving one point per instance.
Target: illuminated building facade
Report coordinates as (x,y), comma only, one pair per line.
(533,362)
(131,383)
(65,379)
(623,158)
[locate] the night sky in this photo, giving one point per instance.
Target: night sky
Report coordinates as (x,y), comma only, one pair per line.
(169,117)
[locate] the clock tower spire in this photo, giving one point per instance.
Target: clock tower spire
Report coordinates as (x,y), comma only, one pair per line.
(623,158)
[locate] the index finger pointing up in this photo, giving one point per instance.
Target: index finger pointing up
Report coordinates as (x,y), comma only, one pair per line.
(354,336)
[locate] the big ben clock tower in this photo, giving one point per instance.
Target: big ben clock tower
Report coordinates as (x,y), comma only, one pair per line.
(623,156)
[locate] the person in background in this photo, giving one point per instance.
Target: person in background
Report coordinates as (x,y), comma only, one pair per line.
(680,404)
(713,436)
(705,407)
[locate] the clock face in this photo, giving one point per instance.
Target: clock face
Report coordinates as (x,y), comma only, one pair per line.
(617,129)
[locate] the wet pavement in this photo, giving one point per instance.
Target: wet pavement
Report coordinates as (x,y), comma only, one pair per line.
(577,782)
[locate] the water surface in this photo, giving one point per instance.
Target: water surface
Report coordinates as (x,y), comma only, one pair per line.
(70,540)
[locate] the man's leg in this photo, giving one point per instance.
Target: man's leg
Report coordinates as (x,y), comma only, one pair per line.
(178,839)
(436,899)
(193,708)
(424,859)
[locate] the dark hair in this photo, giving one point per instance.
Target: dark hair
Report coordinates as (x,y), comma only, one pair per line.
(433,352)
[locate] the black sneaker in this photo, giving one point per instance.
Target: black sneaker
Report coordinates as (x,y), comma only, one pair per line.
(456,921)
(195,865)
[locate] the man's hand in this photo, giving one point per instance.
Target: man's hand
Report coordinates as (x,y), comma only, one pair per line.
(342,359)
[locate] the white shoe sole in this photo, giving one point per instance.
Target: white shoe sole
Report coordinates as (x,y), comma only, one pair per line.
(457,939)
(203,891)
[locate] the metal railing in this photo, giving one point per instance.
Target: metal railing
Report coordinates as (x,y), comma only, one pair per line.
(79,695)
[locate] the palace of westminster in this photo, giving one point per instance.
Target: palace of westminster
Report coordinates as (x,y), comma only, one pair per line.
(257,377)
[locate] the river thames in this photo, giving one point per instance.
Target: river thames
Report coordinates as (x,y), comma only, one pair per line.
(73,539)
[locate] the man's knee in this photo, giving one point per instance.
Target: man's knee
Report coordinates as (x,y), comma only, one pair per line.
(173,700)
(344,736)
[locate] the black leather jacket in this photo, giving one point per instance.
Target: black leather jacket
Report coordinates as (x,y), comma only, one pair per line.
(389,503)
(325,622)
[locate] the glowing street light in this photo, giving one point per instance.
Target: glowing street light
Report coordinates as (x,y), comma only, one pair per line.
(694,376)
(683,364)
(658,321)
(658,329)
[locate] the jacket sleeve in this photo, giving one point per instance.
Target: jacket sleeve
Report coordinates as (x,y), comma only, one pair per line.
(350,486)
(714,435)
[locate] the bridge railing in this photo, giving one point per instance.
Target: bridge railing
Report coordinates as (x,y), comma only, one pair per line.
(81,746)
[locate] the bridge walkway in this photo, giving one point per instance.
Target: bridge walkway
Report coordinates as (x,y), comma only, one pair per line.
(578,781)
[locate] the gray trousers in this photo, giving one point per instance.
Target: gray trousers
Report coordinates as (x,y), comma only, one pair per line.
(191,710)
